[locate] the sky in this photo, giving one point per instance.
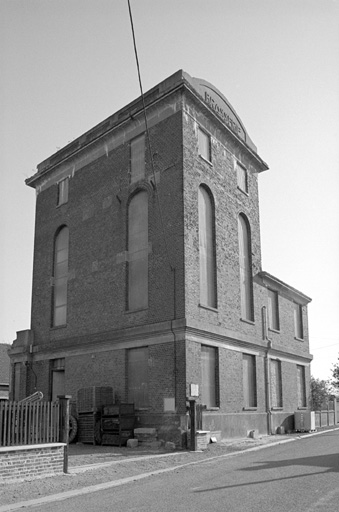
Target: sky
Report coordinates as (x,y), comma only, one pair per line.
(66,65)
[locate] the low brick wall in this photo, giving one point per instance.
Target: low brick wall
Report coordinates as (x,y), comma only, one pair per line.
(31,461)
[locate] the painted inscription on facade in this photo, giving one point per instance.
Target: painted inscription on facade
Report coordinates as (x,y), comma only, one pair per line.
(221,112)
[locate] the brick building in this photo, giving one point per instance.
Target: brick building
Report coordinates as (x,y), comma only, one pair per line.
(4,370)
(147,271)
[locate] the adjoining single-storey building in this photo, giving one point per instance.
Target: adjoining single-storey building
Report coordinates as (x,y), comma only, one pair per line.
(147,272)
(4,371)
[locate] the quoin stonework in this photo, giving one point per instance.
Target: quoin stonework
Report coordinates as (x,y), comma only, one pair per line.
(147,272)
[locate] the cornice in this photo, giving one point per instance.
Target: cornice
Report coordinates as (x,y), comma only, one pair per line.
(97,134)
(267,280)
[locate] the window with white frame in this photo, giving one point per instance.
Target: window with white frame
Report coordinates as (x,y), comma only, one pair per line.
(245,264)
(276,383)
(209,361)
(273,310)
(249,381)
(63,187)
(137,269)
(58,378)
(207,259)
(16,379)
(204,142)
(301,386)
(138,158)
(60,277)
(137,377)
(298,321)
(242,178)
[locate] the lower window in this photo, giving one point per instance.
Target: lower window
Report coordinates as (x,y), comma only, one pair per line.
(249,381)
(301,386)
(137,377)
(209,360)
(276,384)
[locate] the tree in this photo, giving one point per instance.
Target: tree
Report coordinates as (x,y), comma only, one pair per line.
(335,375)
(320,393)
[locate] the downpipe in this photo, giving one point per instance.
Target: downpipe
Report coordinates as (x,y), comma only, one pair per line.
(267,370)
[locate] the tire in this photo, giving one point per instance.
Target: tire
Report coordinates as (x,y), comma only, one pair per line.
(97,433)
(73,429)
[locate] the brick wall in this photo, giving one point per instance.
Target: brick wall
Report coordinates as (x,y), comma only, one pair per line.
(23,462)
(96,215)
(221,179)
(99,328)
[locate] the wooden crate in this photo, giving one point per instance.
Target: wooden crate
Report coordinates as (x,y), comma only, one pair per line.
(94,398)
(89,428)
(117,424)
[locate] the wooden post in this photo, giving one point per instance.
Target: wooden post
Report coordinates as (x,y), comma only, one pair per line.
(64,425)
(193,443)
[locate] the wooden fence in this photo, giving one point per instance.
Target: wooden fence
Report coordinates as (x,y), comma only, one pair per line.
(27,423)
(328,414)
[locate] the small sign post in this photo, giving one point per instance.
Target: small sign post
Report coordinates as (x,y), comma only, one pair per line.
(64,425)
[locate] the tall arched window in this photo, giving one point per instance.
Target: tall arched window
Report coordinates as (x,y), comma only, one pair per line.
(138,251)
(245,262)
(60,276)
(208,288)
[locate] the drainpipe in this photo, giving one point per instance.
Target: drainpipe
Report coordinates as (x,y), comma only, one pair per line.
(267,370)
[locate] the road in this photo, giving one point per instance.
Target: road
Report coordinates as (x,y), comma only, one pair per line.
(299,476)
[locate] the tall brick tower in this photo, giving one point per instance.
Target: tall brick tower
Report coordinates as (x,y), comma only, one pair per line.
(147,272)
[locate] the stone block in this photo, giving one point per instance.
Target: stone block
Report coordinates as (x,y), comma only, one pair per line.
(253,434)
(132,443)
(169,446)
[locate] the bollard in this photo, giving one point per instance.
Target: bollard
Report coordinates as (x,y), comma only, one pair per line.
(64,426)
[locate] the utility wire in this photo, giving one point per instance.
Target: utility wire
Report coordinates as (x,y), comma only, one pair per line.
(326,346)
(148,136)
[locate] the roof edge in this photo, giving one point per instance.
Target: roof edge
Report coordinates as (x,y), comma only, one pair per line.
(265,279)
(222,111)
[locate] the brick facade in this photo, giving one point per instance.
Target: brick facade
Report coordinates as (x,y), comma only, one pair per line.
(20,463)
(100,330)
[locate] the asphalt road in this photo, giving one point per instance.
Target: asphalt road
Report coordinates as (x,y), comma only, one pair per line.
(299,476)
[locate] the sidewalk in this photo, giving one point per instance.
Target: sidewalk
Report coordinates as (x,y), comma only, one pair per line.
(93,468)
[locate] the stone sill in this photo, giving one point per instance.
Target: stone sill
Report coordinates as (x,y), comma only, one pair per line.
(251,322)
(205,160)
(209,308)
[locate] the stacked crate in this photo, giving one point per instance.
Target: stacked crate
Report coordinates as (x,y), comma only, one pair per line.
(89,404)
(117,424)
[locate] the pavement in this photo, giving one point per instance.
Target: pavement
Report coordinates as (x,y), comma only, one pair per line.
(92,468)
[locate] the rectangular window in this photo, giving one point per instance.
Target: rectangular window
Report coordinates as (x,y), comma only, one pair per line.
(137,270)
(249,381)
(209,359)
(276,384)
(242,178)
(204,145)
(298,321)
(63,186)
(17,374)
(138,158)
(273,310)
(245,269)
(137,375)
(58,378)
(301,387)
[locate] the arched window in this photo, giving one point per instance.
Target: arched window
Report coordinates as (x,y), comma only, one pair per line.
(138,251)
(60,276)
(245,262)
(208,288)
